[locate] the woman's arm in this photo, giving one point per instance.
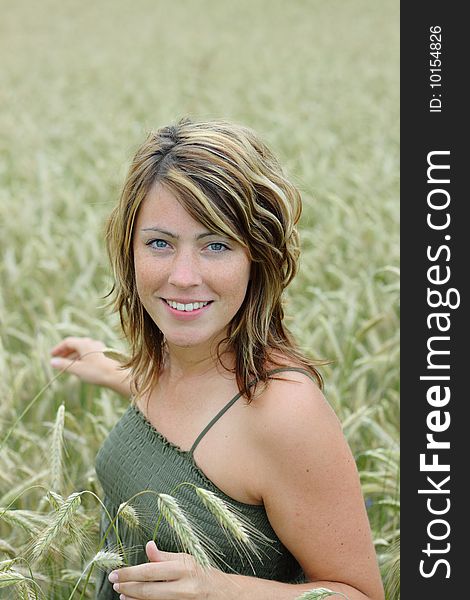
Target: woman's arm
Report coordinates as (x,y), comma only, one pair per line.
(176,575)
(84,357)
(311,492)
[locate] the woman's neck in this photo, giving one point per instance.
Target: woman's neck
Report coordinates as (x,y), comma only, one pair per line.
(191,363)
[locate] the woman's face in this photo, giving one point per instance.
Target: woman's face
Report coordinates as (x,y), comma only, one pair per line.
(190,280)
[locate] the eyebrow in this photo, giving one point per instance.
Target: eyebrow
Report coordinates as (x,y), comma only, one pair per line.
(176,237)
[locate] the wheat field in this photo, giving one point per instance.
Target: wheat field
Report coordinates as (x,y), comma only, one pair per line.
(80,85)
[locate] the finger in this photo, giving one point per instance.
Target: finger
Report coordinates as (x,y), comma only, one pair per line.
(136,590)
(67,344)
(62,364)
(63,350)
(58,348)
(154,554)
(153,571)
(79,345)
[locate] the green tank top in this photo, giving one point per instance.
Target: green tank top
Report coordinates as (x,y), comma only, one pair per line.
(136,457)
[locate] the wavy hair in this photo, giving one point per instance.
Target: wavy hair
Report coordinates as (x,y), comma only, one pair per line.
(228,180)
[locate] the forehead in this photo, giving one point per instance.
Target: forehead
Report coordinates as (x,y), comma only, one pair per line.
(161,207)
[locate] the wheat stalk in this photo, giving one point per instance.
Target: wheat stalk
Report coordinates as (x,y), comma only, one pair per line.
(105,559)
(25,592)
(28,520)
(59,522)
(390,566)
(116,355)
(177,520)
(76,532)
(8,578)
(57,449)
(129,515)
(54,499)
(7,548)
(237,529)
(319,594)
(225,517)
(6,564)
(24,486)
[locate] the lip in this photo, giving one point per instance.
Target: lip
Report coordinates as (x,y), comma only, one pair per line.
(183,301)
(181,315)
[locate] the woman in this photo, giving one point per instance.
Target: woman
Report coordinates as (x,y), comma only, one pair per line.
(203,243)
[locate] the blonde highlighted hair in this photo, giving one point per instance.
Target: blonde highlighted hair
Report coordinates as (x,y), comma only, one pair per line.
(229,181)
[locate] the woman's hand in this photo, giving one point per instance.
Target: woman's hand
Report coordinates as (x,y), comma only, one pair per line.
(172,576)
(168,576)
(84,357)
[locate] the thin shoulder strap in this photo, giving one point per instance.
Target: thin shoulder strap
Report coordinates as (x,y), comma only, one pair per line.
(235,398)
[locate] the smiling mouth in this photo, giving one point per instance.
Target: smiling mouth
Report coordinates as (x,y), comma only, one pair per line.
(189,307)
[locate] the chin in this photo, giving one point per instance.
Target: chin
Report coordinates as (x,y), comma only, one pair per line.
(185,342)
(194,341)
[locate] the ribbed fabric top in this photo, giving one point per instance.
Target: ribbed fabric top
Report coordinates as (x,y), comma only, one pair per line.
(136,457)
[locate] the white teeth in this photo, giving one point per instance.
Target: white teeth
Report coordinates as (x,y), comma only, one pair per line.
(186,307)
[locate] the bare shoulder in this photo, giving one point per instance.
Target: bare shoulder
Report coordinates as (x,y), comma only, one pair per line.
(297,434)
(299,440)
(291,408)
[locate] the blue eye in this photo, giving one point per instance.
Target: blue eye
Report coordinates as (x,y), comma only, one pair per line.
(157,244)
(218,247)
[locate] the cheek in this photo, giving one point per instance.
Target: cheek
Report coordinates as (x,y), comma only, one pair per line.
(147,291)
(140,286)
(139,274)
(238,284)
(145,276)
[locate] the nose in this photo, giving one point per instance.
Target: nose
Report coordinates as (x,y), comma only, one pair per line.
(185,270)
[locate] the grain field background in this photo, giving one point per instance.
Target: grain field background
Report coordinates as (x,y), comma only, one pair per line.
(80,85)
